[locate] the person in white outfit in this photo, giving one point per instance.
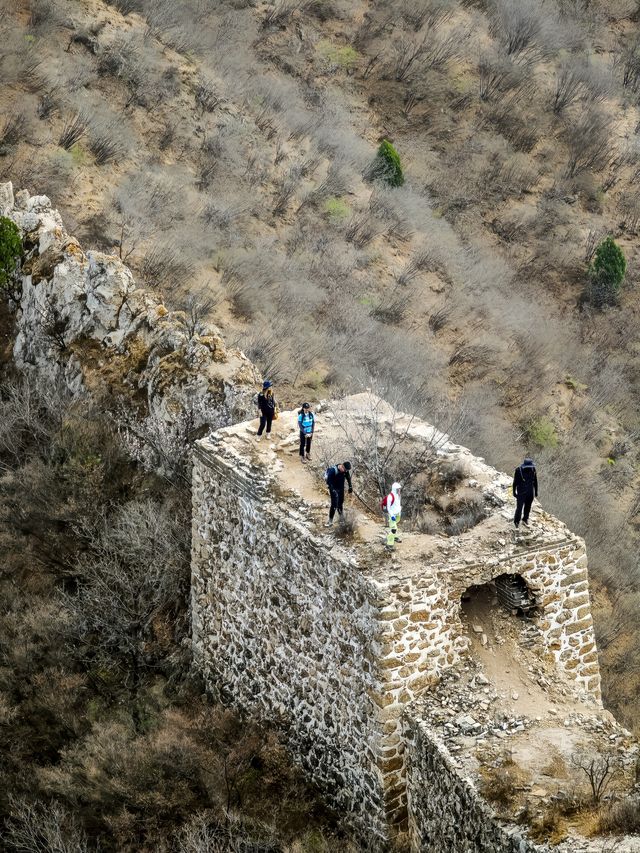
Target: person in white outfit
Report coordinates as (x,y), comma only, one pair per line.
(392,505)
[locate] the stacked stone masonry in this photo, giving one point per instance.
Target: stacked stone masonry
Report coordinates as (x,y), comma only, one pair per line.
(336,646)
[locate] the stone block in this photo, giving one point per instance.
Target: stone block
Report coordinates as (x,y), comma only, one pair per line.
(581,625)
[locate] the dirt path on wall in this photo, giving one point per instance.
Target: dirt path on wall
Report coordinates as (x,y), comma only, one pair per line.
(500,647)
(508,649)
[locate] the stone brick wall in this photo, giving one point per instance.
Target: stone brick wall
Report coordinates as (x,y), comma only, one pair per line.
(446,813)
(285,629)
(335,644)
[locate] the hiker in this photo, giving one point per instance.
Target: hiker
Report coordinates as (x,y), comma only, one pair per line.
(392,505)
(525,488)
(335,477)
(267,408)
(306,424)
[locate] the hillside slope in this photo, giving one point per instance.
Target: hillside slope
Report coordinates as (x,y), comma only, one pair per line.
(223,150)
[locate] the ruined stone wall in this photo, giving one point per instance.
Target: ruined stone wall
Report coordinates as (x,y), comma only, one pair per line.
(557,575)
(446,812)
(284,628)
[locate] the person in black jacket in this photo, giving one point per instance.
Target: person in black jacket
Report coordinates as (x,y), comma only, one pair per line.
(525,488)
(335,477)
(266,408)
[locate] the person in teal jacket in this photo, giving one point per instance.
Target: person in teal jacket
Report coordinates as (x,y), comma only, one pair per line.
(306,424)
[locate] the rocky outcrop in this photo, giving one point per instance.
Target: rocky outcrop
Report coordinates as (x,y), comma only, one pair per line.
(82,319)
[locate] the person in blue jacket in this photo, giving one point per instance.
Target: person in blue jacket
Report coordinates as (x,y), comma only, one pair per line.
(306,424)
(335,477)
(525,488)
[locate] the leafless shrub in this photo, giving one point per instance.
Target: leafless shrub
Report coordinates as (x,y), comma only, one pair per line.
(424,260)
(222,216)
(408,51)
(512,122)
(86,37)
(442,48)
(371,28)
(47,104)
(280,12)
(392,308)
(39,827)
(439,319)
(361,229)
(629,207)
(44,14)
(166,267)
(73,130)
(451,472)
(13,130)
(238,835)
(419,14)
(107,144)
(517,24)
(285,190)
(347,527)
(475,354)
(569,86)
(500,785)
(588,141)
(121,58)
(622,817)
(133,567)
(600,768)
(207,98)
(169,23)
(167,136)
(497,74)
(126,7)
(627,59)
(197,308)
(268,348)
(467,515)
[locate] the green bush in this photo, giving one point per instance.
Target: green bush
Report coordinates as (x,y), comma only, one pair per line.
(542,433)
(606,273)
(336,209)
(387,166)
(10,251)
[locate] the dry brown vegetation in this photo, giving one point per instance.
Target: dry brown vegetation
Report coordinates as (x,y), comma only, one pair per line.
(107,741)
(223,149)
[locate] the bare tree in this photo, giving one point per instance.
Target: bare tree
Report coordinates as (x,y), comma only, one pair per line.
(134,570)
(43,828)
(600,768)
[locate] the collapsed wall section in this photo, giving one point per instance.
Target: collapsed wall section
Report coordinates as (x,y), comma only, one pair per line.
(285,628)
(446,812)
(556,574)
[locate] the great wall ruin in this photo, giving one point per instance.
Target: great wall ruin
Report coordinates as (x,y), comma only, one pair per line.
(396,680)
(351,651)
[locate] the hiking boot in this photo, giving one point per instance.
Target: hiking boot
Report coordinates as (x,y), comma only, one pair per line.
(515,524)
(308,457)
(329,523)
(302,459)
(527,525)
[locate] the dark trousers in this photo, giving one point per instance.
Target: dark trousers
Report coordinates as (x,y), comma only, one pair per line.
(337,500)
(305,444)
(522,502)
(265,420)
